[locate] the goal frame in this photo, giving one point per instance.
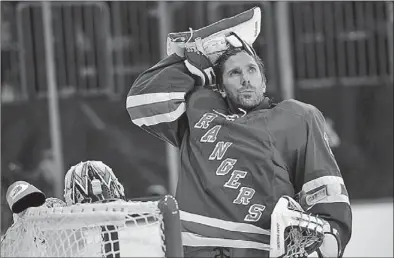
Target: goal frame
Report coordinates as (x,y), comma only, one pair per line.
(166,206)
(172,223)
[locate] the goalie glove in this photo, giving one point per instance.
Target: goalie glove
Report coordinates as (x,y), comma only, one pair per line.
(237,42)
(213,37)
(295,233)
(199,64)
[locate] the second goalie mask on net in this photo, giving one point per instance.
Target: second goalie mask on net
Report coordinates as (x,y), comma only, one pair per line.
(92,181)
(95,182)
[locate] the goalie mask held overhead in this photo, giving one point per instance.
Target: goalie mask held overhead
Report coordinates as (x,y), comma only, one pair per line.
(214,38)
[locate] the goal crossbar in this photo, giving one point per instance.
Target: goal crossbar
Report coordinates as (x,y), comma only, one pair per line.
(148,227)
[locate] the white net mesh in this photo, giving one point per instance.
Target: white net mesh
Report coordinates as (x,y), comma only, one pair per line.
(114,229)
(299,239)
(303,238)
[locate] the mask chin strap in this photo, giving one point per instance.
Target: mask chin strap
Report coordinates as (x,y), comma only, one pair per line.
(191,35)
(245,45)
(244,113)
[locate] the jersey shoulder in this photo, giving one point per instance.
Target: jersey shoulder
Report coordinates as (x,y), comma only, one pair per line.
(299,108)
(205,100)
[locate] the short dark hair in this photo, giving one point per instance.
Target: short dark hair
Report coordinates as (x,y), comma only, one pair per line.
(218,67)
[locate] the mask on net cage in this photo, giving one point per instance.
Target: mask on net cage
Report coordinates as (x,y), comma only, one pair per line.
(91,181)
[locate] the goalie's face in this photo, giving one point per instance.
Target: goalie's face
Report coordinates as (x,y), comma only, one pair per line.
(242,81)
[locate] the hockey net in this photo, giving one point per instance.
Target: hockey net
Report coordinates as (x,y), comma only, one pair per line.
(113,229)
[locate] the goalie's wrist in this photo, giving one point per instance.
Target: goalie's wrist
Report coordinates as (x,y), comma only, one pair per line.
(331,242)
(326,226)
(330,247)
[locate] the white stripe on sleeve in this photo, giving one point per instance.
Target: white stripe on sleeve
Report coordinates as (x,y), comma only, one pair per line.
(223,224)
(324,180)
(330,193)
(161,118)
(150,98)
(335,198)
(190,239)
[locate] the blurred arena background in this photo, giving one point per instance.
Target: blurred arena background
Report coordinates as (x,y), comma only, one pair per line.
(66,68)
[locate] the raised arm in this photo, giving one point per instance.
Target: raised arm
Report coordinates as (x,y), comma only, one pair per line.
(156,100)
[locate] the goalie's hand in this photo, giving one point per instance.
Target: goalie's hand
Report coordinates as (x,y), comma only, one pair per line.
(295,233)
(199,65)
(330,246)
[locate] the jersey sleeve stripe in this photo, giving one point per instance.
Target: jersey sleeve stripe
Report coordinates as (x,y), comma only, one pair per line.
(150,98)
(190,239)
(325,189)
(223,224)
(215,232)
(321,181)
(160,118)
(153,109)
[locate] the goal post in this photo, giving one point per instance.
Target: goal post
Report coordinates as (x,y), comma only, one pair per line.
(148,227)
(172,229)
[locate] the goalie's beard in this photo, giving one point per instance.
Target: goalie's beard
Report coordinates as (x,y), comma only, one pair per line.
(110,238)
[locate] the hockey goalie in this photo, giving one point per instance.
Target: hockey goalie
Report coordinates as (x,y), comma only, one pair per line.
(245,158)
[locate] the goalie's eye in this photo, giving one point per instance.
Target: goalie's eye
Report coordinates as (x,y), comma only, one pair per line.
(234,72)
(252,69)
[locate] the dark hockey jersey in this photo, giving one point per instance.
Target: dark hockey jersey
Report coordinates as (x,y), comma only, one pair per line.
(236,165)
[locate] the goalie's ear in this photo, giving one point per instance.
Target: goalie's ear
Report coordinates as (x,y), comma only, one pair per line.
(22,195)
